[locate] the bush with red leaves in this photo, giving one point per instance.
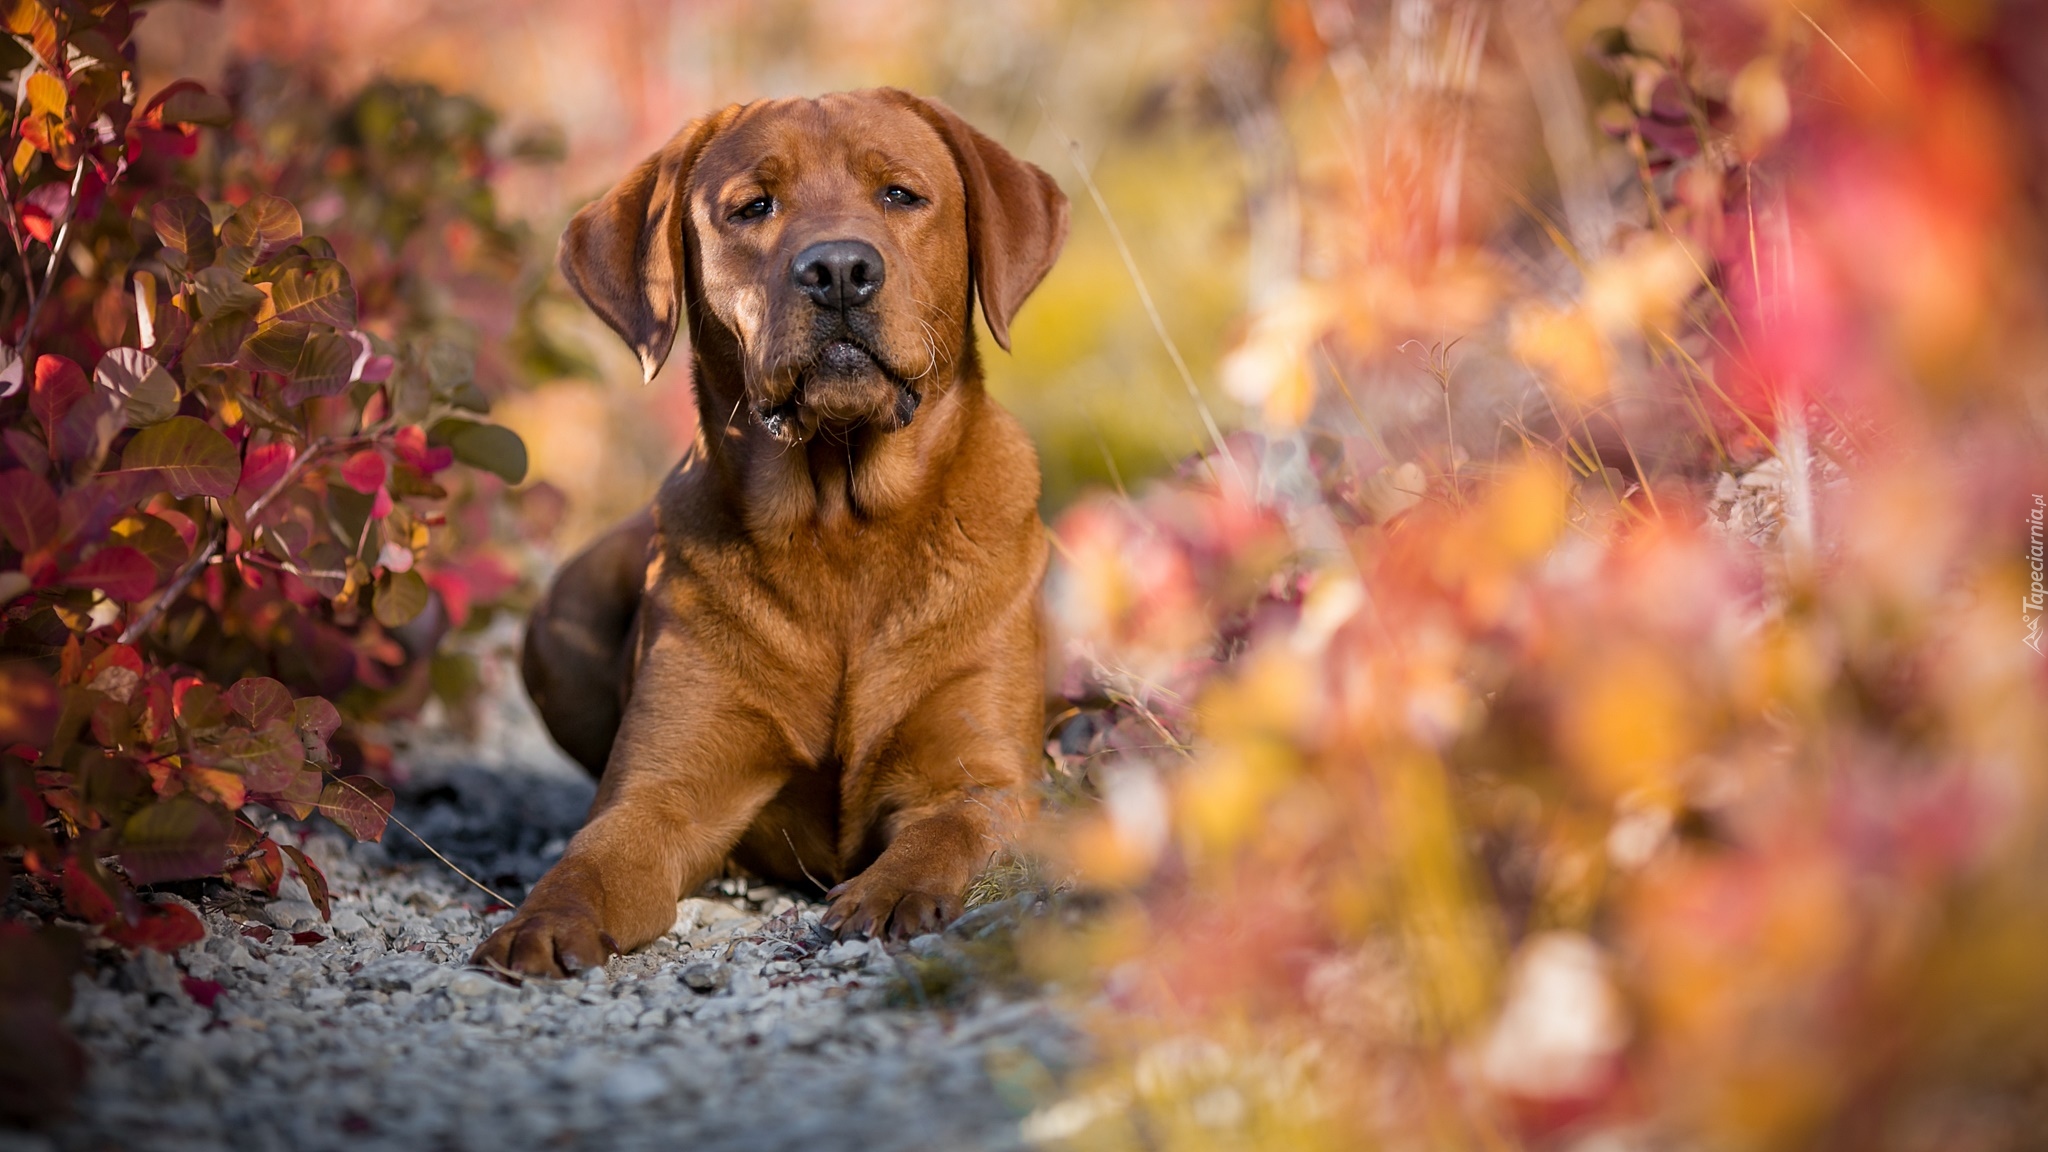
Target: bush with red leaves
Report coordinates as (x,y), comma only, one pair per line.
(225,481)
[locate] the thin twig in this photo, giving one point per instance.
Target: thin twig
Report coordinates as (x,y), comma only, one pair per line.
(1180,364)
(57,245)
(423,841)
(175,588)
(800,862)
(1837,47)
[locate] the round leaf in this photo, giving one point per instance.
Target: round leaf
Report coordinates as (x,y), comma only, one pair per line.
(359,804)
(192,457)
(266,224)
(400,597)
(179,838)
(319,292)
(493,448)
(186,228)
(135,376)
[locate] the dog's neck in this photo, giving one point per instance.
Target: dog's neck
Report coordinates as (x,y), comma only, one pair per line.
(833,482)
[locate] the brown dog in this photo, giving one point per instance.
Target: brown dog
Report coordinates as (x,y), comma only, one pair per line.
(819,654)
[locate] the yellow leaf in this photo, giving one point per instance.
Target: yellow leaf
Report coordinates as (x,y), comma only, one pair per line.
(46,94)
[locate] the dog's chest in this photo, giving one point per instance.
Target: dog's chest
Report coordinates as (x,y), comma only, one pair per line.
(838,639)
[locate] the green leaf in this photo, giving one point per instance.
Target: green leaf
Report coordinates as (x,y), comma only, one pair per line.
(192,457)
(321,292)
(266,225)
(314,362)
(326,365)
(400,597)
(217,343)
(186,229)
(495,449)
(179,838)
(150,393)
(220,290)
(275,347)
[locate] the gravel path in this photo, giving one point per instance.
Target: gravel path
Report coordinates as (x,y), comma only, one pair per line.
(744,1028)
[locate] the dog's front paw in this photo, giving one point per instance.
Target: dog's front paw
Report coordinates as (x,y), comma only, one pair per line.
(547,941)
(870,905)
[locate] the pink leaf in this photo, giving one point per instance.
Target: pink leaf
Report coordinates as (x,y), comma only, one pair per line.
(364,471)
(263,467)
(121,572)
(202,992)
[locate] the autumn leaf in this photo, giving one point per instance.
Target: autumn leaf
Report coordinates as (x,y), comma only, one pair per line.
(320,292)
(259,700)
(315,880)
(149,394)
(177,838)
(186,229)
(193,458)
(359,804)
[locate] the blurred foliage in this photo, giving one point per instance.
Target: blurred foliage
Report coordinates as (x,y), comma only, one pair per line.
(254,519)
(1650,754)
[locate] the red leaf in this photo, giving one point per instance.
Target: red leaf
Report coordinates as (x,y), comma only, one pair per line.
(120,571)
(259,932)
(377,369)
(307,937)
(263,467)
(86,899)
(260,868)
(28,510)
(259,700)
(114,656)
(164,927)
(202,992)
(411,446)
(271,757)
(314,879)
(41,208)
(315,717)
(297,797)
(364,471)
(380,504)
(359,804)
(198,704)
(59,384)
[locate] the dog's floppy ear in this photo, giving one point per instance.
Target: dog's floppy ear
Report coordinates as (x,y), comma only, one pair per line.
(623,253)
(1016,217)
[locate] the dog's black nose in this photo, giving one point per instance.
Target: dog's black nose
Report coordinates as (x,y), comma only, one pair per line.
(838,274)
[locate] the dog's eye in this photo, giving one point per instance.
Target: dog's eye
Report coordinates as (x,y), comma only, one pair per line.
(754,209)
(900,196)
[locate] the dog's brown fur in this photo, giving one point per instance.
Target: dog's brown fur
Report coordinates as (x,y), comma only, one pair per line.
(820,652)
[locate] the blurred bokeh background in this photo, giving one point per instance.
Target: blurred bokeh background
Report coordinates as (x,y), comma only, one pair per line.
(1156,99)
(1583,688)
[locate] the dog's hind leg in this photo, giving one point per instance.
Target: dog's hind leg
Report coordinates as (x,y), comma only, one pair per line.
(575,658)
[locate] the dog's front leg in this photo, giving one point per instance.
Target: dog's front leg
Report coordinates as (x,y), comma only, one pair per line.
(920,880)
(686,777)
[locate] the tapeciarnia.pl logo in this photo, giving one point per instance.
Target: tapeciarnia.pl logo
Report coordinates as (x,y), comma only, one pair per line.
(2037,563)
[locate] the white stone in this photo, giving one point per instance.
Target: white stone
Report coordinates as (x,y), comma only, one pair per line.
(632,1084)
(472,985)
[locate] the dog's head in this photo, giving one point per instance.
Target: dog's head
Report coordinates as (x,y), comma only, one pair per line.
(826,251)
